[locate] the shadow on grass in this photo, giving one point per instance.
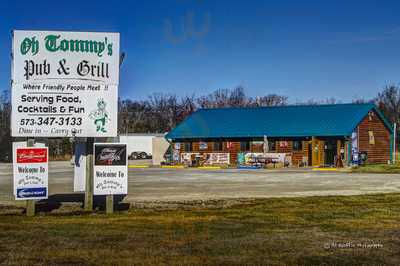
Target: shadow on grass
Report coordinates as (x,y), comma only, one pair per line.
(55,202)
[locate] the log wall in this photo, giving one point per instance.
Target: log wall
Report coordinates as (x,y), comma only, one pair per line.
(233,148)
(380,151)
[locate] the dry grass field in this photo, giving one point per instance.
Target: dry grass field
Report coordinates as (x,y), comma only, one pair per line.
(378,169)
(348,230)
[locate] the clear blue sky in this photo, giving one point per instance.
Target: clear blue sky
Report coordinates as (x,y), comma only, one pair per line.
(301,49)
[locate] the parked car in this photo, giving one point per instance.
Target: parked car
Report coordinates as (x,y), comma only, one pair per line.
(139,155)
(140,146)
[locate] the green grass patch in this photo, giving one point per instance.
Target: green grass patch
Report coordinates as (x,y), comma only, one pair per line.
(377,168)
(294,231)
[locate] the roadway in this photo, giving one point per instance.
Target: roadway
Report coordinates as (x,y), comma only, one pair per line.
(156,184)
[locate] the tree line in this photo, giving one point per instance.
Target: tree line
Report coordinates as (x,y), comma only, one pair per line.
(161,112)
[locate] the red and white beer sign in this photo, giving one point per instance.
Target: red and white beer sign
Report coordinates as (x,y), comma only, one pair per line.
(32,155)
(31,171)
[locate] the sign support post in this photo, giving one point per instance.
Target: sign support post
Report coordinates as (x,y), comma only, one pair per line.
(110,204)
(89,175)
(30,204)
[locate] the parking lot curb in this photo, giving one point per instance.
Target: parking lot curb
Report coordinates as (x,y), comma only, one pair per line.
(173,166)
(325,169)
(138,166)
(208,167)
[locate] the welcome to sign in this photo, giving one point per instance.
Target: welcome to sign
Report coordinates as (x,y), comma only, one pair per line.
(110,169)
(31,167)
(65,84)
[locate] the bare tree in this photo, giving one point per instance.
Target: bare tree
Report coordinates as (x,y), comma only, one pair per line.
(187,107)
(389,102)
(330,100)
(238,98)
(359,100)
(5,127)
(225,98)
(219,98)
(167,110)
(132,116)
(270,100)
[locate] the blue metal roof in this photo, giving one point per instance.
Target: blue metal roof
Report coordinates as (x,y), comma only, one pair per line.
(280,121)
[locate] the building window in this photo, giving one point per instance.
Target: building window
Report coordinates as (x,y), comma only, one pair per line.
(297,145)
(283,144)
(257,146)
(188,146)
(271,145)
(217,146)
(371,137)
(177,146)
(244,146)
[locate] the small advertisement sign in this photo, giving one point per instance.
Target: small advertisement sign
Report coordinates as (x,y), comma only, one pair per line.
(354,141)
(31,171)
(186,157)
(217,158)
(272,157)
(283,144)
(208,158)
(203,146)
(229,145)
(110,169)
(175,156)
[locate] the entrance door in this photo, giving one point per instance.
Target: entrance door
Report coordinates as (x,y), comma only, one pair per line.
(310,152)
(317,150)
(330,150)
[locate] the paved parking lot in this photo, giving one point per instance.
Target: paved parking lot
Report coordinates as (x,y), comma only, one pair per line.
(153,184)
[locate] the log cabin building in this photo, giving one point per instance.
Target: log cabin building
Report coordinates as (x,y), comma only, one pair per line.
(314,135)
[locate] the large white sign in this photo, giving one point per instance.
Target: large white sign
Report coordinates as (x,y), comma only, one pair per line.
(110,169)
(31,172)
(208,158)
(65,84)
(274,157)
(80,167)
(217,158)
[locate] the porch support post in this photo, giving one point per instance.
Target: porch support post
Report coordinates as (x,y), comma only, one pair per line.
(349,152)
(391,149)
(314,153)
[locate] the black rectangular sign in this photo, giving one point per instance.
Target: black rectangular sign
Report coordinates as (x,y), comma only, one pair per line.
(110,154)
